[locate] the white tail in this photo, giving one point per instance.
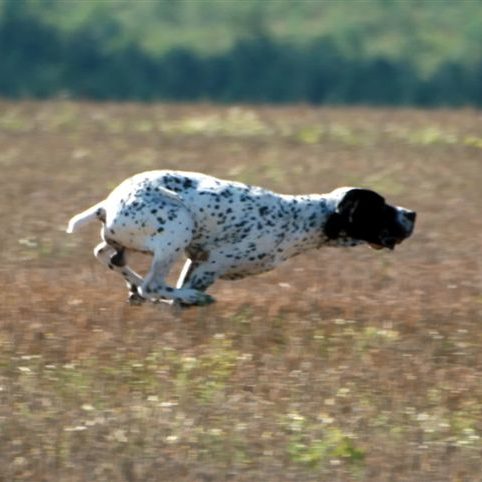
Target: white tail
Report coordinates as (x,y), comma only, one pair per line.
(85,217)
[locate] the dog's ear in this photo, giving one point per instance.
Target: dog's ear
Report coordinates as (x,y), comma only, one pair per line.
(359,206)
(355,214)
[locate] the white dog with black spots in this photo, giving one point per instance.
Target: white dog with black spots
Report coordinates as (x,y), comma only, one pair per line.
(227,229)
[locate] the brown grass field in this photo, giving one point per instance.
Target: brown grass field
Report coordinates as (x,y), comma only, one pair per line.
(340,365)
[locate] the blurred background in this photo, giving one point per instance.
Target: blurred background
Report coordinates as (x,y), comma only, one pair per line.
(372,52)
(340,365)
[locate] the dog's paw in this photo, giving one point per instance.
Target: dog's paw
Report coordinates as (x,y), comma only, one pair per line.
(198,298)
(204,299)
(135,299)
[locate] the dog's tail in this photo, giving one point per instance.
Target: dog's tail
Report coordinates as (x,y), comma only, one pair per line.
(95,212)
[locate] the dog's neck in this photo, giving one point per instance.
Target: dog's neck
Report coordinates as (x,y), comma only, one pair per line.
(309,217)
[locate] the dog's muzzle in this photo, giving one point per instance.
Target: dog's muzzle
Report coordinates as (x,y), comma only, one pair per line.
(404,229)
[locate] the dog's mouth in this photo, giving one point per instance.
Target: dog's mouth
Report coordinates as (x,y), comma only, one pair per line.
(388,243)
(395,233)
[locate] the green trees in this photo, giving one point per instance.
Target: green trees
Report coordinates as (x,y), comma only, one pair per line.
(99,53)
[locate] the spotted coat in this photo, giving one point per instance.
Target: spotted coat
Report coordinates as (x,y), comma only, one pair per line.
(227,229)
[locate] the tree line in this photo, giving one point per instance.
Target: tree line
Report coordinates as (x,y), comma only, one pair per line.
(38,61)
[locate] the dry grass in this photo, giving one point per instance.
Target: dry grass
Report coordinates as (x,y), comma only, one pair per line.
(341,365)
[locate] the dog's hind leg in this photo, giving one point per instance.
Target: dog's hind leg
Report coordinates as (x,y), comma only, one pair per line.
(114,258)
(155,288)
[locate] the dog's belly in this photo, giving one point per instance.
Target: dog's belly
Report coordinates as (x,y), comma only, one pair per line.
(247,269)
(235,260)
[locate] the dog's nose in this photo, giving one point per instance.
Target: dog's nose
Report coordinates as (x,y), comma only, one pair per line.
(411,215)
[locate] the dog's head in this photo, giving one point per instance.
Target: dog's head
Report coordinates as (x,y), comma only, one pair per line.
(363,215)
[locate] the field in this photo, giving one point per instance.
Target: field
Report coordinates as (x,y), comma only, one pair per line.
(340,365)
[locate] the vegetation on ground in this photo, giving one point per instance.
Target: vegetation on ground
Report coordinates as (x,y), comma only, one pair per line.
(342,364)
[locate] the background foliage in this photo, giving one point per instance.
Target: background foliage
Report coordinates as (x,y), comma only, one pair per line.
(372,51)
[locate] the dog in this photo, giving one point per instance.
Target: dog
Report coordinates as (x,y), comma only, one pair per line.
(228,230)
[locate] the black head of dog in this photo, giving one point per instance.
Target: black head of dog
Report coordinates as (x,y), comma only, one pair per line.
(363,215)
